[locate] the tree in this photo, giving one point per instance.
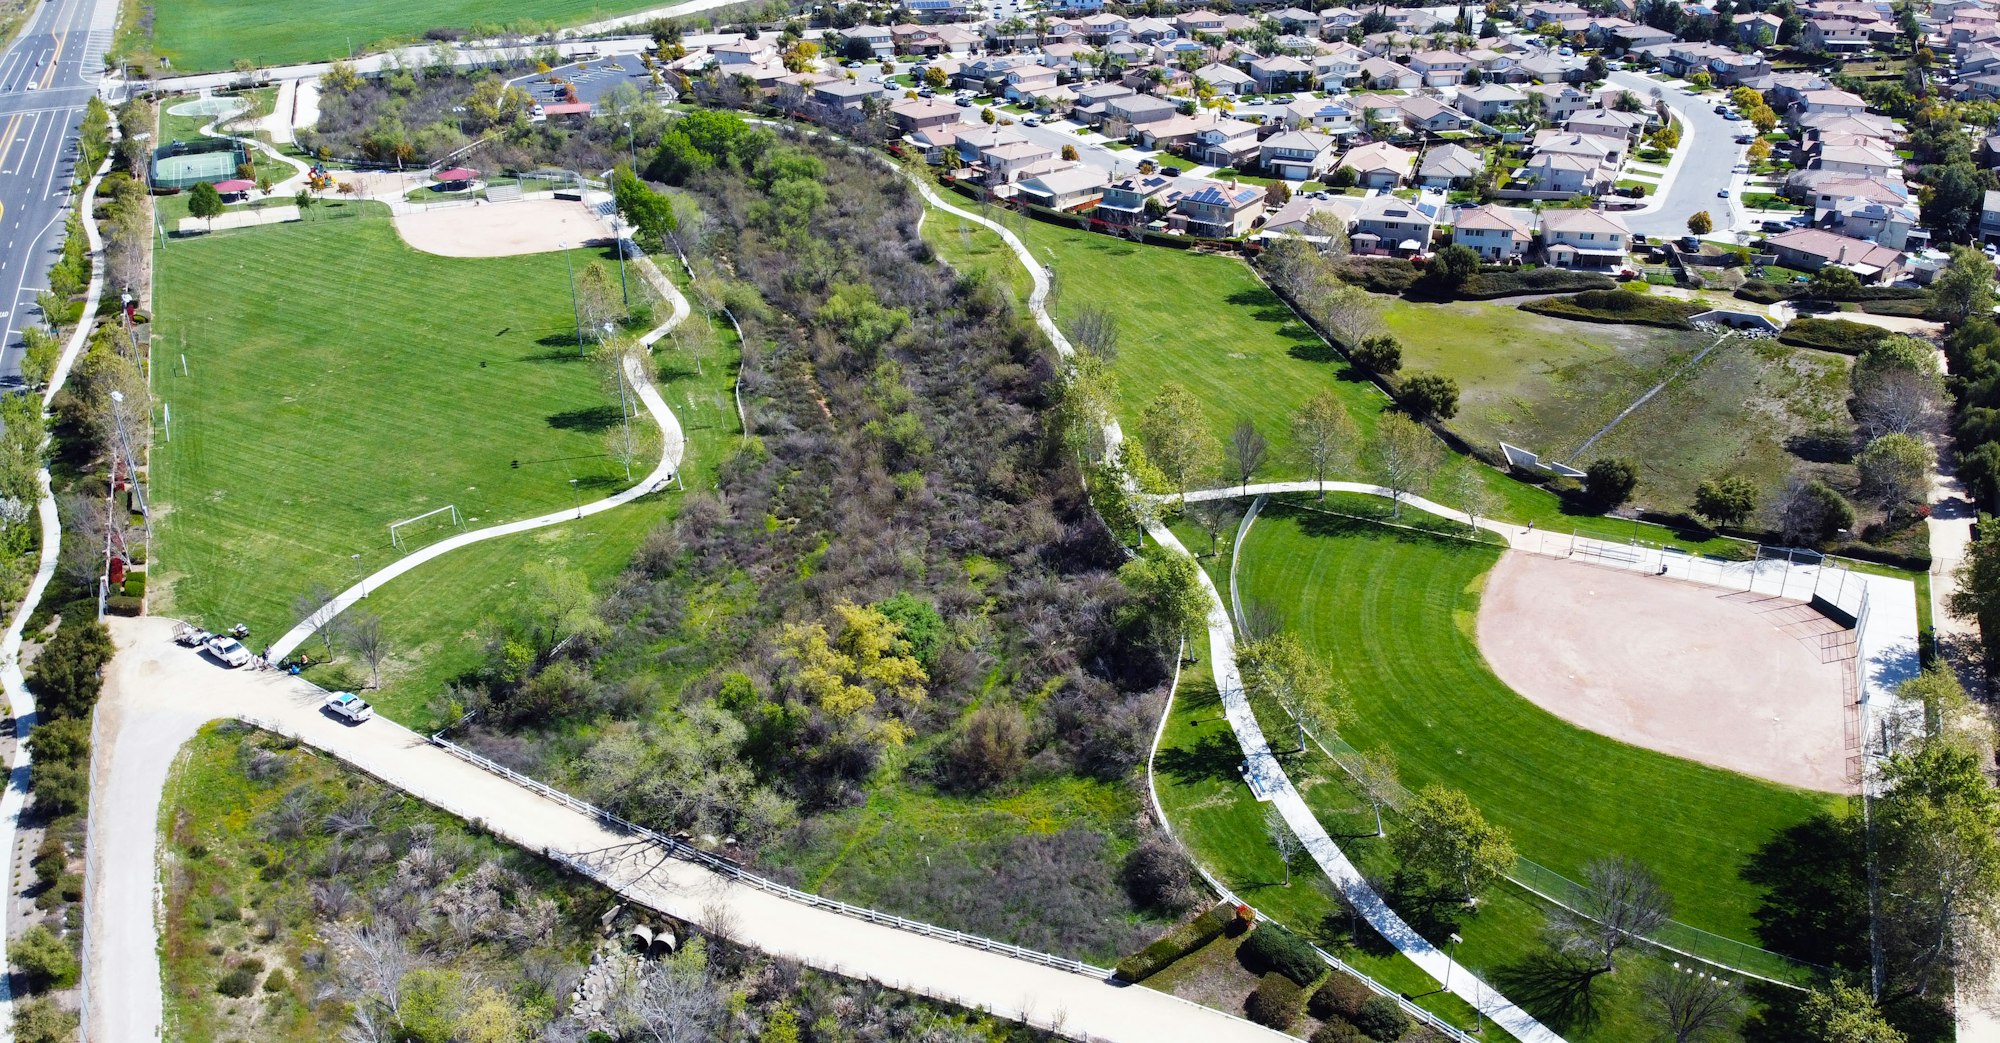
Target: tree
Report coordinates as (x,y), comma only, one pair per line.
(1609,482)
(1622,902)
(1376,771)
(1379,354)
(1950,208)
(1323,436)
(1282,669)
(986,115)
(1447,846)
(1692,1006)
(1725,500)
(1282,838)
(1897,388)
(1168,601)
(1844,1013)
(934,77)
(315,608)
(848,671)
(992,749)
(1247,450)
(1174,432)
(648,212)
(1402,457)
(44,959)
(1938,858)
(1700,223)
(362,633)
(204,202)
(1812,512)
(1431,394)
(1069,153)
(1760,150)
(1093,329)
(1896,469)
(1833,283)
(68,672)
(1213,515)
(1453,265)
(1965,287)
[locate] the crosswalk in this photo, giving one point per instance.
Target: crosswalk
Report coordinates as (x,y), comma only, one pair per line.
(95,47)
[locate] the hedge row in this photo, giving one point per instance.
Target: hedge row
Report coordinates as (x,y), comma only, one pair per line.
(1619,306)
(1275,950)
(1176,943)
(1513,282)
(1394,277)
(1839,335)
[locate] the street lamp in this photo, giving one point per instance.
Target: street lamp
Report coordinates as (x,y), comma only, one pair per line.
(576,310)
(359,576)
(632,147)
(1450,958)
(616,223)
(577,496)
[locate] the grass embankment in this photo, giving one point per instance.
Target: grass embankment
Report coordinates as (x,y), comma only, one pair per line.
(202,35)
(310,418)
(1424,692)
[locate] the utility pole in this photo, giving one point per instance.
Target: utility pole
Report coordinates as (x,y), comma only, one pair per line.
(616,224)
(576,310)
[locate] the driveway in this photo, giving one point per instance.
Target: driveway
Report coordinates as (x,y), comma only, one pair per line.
(1701,165)
(157,695)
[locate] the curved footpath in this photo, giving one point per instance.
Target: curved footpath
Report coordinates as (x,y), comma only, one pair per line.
(157,695)
(1222,656)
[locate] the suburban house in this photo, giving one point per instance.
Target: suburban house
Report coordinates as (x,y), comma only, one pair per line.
(1383,74)
(1295,155)
(1859,159)
(1626,126)
(1810,249)
(1104,29)
(1192,22)
(1497,233)
(1279,72)
(1440,68)
(915,114)
(1636,36)
(1124,114)
(743,52)
(879,39)
(1609,151)
(1338,66)
(1089,104)
(1024,84)
(1758,29)
(1299,20)
(1989,218)
(1076,188)
(1431,116)
(1124,201)
(1890,224)
(1378,165)
(1226,79)
(1448,166)
(1836,36)
(1558,101)
(1489,101)
(1583,239)
(1388,225)
(1152,30)
(940,10)
(1293,217)
(1327,114)
(1830,100)
(1221,209)
(1560,174)
(1012,161)
(1220,141)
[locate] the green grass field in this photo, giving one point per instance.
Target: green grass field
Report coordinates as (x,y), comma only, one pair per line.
(1423,691)
(1548,384)
(201,35)
(435,615)
(337,381)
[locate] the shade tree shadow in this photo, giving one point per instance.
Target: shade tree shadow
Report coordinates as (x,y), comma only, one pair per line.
(1211,758)
(591,419)
(1556,988)
(1815,882)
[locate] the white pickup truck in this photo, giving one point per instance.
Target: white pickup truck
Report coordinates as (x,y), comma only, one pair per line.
(349,706)
(229,650)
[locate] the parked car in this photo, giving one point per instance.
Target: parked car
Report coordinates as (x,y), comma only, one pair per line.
(1033,121)
(1745,139)
(1171,171)
(1724,194)
(1721,109)
(349,707)
(228,650)
(964,102)
(1774,226)
(1731,116)
(1690,244)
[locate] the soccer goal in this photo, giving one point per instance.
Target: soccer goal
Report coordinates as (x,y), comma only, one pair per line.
(400,534)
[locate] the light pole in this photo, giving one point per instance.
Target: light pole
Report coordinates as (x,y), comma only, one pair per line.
(576,310)
(624,407)
(1450,958)
(624,290)
(632,148)
(577,496)
(359,576)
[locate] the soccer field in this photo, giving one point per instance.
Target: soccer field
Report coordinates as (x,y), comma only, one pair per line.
(337,381)
(1393,612)
(201,35)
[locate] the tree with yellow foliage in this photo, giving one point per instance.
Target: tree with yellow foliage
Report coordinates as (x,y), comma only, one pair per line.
(849,672)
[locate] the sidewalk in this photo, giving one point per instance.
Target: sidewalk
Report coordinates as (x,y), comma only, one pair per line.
(157,695)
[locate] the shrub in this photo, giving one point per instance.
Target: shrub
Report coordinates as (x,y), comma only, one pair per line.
(135,584)
(1384,276)
(1381,1020)
(1274,1003)
(1341,997)
(1272,949)
(1158,875)
(1431,394)
(44,959)
(278,981)
(1609,481)
(122,605)
(1338,1031)
(237,984)
(1510,282)
(1840,335)
(1176,943)
(40,1020)
(1619,306)
(1380,353)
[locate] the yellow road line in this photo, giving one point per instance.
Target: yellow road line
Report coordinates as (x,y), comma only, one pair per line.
(49,77)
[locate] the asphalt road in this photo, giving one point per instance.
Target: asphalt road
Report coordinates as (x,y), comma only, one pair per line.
(1708,145)
(45,78)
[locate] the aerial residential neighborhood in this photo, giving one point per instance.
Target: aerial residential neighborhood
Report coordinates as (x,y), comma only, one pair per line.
(1000,520)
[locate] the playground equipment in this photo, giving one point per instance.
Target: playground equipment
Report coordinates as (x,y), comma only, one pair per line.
(318,178)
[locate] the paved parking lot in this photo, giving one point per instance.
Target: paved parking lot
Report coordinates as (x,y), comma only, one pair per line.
(591,79)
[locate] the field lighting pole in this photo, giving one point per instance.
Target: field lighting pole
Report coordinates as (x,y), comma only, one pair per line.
(576,496)
(575,309)
(623,290)
(360,576)
(632,148)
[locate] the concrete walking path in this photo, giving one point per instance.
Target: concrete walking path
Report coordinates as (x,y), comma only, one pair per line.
(157,695)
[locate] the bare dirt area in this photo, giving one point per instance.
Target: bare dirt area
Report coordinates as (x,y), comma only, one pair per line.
(1750,683)
(523,226)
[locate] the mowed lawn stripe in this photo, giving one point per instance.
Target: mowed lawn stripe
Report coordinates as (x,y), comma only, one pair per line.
(1394,615)
(201,35)
(338,380)
(1205,321)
